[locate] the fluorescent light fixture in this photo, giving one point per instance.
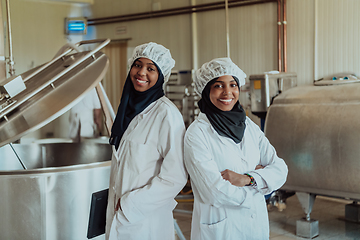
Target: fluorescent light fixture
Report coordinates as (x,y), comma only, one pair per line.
(75,26)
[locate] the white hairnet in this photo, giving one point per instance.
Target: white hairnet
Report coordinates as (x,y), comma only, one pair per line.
(156,53)
(216,68)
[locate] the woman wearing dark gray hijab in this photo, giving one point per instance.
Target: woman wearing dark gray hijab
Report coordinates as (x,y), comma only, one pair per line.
(231,163)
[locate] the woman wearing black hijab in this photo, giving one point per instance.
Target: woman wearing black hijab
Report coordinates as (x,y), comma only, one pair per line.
(231,163)
(147,169)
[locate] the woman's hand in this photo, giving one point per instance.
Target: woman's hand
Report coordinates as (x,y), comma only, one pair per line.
(118,206)
(259,167)
(235,179)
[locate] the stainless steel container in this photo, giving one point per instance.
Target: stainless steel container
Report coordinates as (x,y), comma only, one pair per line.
(51,199)
(265,87)
(316,130)
(46,189)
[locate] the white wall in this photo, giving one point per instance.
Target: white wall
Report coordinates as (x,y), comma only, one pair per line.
(337,37)
(252,33)
(247,41)
(322,34)
(301,39)
(252,37)
(172,32)
(38,30)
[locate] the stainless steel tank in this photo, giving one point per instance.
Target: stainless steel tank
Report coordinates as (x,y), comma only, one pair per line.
(51,198)
(265,87)
(46,189)
(316,130)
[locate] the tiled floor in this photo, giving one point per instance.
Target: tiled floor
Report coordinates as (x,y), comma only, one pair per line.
(330,213)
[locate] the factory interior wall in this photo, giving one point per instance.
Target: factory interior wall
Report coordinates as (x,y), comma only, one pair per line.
(337,35)
(322,38)
(38,30)
(321,34)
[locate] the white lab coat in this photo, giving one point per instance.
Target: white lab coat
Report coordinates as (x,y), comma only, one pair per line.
(223,211)
(147,173)
(81,117)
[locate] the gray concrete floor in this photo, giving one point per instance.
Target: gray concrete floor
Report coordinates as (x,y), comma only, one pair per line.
(330,212)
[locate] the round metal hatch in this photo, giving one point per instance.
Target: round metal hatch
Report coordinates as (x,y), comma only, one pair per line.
(50,93)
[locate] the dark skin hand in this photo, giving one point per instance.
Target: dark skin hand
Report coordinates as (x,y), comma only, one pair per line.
(118,206)
(237,179)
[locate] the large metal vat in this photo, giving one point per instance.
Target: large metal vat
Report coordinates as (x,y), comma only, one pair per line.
(51,199)
(316,130)
(46,189)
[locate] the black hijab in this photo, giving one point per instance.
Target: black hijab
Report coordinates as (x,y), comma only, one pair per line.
(132,103)
(229,124)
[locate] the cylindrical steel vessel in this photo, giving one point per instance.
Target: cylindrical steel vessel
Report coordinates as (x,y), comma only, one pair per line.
(51,199)
(46,189)
(316,130)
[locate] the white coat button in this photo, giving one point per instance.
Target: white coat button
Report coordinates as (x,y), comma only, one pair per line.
(253,215)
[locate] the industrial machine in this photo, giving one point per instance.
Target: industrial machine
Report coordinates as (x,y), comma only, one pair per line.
(180,90)
(46,188)
(265,87)
(315,130)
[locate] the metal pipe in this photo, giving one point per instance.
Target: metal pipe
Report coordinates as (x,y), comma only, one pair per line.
(174,11)
(178,231)
(11,60)
(194,36)
(227,28)
(106,107)
(155,13)
(279,34)
(17,156)
(316,28)
(2,47)
(284,36)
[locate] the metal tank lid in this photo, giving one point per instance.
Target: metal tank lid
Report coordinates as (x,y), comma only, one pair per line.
(324,94)
(40,95)
(337,79)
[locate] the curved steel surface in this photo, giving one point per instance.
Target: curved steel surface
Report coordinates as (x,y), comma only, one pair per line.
(315,130)
(52,199)
(38,105)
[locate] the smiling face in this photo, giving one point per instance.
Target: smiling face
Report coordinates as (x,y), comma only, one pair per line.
(224,93)
(144,74)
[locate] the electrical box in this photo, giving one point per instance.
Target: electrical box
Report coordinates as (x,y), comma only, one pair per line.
(265,87)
